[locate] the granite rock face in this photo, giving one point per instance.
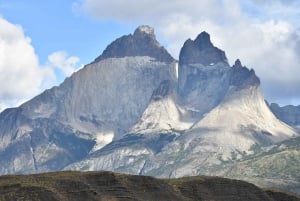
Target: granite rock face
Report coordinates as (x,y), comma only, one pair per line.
(142,43)
(203,74)
(97,104)
(242,76)
(38,145)
(201,51)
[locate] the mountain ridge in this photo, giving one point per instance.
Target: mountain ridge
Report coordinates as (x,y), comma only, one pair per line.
(114,186)
(142,43)
(84,105)
(128,111)
(192,138)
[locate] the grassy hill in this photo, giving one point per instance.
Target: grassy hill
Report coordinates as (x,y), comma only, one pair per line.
(108,186)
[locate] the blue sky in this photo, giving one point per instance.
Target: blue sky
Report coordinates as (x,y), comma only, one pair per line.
(53,25)
(42,42)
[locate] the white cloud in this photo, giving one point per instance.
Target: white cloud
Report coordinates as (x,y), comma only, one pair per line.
(63,62)
(262,35)
(20,74)
(141,10)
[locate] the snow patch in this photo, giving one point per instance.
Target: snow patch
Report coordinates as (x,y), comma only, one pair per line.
(146,29)
(103,139)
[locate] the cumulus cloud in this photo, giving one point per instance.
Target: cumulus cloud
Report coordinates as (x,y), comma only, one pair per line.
(63,62)
(264,36)
(20,72)
(141,10)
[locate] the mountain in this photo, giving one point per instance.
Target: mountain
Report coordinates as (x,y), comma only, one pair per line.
(215,115)
(289,114)
(112,186)
(219,112)
(142,43)
(203,75)
(95,105)
(134,109)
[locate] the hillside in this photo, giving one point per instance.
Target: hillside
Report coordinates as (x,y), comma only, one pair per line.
(289,114)
(110,186)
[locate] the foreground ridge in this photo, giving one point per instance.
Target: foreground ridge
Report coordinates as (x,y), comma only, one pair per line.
(113,186)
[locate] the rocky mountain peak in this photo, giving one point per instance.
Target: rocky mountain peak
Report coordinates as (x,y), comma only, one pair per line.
(142,43)
(201,51)
(243,77)
(144,29)
(237,64)
(203,40)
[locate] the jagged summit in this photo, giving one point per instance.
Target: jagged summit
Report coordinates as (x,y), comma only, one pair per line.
(142,43)
(203,40)
(237,63)
(201,50)
(242,77)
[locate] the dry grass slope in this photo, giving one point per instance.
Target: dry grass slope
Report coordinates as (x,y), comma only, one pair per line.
(108,186)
